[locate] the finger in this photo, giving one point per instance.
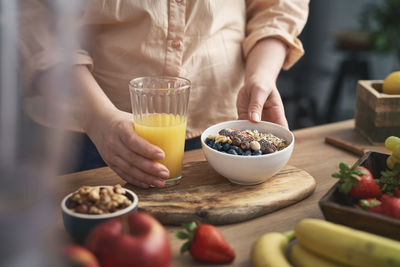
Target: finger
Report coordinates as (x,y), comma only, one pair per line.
(132,169)
(258,96)
(130,180)
(141,146)
(135,175)
(242,104)
(146,165)
(274,110)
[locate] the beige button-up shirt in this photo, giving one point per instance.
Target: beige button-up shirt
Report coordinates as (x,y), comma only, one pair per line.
(204,41)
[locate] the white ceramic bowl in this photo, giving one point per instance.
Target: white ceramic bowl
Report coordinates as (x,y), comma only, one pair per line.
(248,170)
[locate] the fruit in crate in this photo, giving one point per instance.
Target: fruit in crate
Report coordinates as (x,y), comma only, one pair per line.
(390,206)
(391,84)
(393,144)
(356,181)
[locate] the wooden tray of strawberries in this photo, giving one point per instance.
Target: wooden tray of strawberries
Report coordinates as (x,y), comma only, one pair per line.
(341,208)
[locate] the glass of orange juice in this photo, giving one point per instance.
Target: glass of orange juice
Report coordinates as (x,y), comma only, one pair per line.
(159,107)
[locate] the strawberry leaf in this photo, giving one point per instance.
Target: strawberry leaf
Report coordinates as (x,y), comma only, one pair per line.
(348,177)
(374,202)
(346,186)
(190,227)
(390,179)
(185,247)
(364,203)
(343,167)
(356,176)
(359,171)
(182,235)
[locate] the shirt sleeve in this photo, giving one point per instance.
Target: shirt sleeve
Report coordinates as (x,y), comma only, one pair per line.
(38,43)
(281,19)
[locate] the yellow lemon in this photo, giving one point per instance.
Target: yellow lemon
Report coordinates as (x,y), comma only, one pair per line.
(391,85)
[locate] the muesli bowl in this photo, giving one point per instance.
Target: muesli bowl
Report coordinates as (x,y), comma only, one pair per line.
(79,224)
(248,170)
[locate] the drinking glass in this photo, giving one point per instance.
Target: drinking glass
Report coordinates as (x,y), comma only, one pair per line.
(159,107)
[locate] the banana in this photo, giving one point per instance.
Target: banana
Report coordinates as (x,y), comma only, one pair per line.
(302,257)
(347,245)
(269,250)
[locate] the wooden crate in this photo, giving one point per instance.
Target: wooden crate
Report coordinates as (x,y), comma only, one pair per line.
(377,115)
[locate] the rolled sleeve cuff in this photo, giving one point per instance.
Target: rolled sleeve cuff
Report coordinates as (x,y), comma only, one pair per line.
(45,60)
(295,47)
(83,58)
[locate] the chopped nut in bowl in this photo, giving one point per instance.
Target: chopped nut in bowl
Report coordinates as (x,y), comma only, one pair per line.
(88,206)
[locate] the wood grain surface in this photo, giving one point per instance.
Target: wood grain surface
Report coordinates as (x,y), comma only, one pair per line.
(310,154)
(204,195)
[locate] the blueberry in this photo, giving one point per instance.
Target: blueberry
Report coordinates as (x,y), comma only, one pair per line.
(257,153)
(247,153)
(226,147)
(219,147)
(235,148)
(211,143)
(232,151)
(240,151)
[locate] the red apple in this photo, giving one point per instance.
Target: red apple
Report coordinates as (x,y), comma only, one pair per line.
(79,256)
(137,239)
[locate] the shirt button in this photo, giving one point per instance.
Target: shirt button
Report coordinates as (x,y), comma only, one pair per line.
(177,44)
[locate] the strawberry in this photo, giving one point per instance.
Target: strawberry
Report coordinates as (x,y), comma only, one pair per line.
(390,206)
(206,243)
(357,182)
(370,204)
(396,193)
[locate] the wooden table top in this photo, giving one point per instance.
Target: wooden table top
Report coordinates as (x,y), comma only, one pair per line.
(311,154)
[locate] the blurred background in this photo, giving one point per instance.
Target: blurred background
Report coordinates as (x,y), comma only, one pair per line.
(320,88)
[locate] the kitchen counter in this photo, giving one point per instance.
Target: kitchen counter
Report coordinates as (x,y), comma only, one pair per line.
(311,154)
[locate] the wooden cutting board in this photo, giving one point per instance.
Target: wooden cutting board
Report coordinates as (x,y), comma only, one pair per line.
(204,195)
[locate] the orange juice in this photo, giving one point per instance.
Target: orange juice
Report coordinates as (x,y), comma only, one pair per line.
(166,131)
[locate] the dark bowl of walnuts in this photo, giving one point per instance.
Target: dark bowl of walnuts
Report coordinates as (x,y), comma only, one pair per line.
(88,206)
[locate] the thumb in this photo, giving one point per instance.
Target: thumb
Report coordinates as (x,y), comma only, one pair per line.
(258,97)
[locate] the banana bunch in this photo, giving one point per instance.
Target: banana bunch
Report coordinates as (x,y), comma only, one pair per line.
(325,244)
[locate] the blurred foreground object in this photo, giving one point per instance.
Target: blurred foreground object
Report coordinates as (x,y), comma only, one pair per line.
(382,20)
(30,155)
